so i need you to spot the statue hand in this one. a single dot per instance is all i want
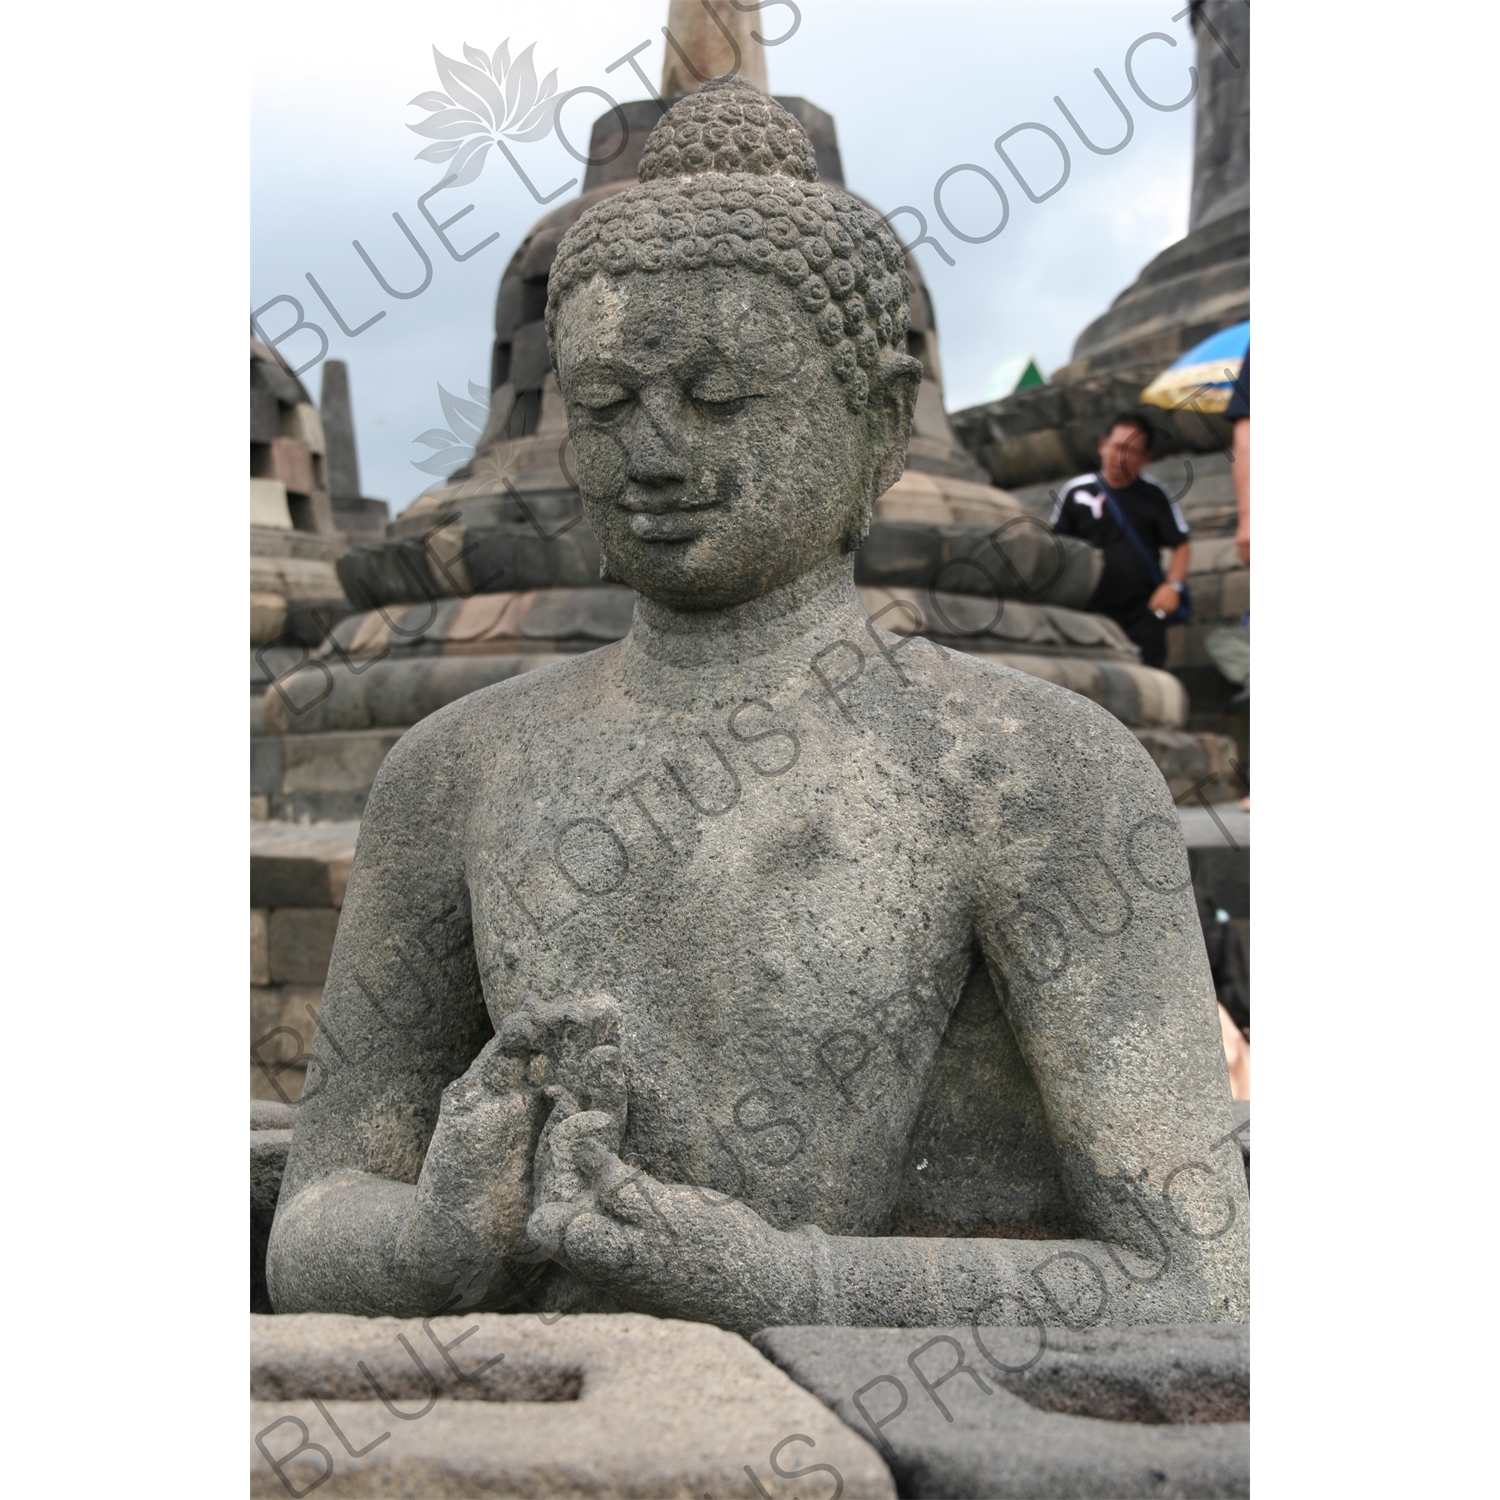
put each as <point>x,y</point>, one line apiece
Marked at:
<point>571,1047</point>
<point>475,1190</point>
<point>675,1251</point>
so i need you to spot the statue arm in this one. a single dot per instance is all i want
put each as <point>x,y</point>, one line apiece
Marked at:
<point>1090,930</point>
<point>1092,939</point>
<point>408,1179</point>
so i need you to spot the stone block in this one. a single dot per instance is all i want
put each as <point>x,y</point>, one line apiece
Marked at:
<point>301,943</point>
<point>265,761</point>
<point>267,614</point>
<point>1196,766</point>
<point>295,577</point>
<point>283,1019</point>
<point>1008,1412</point>
<point>338,431</point>
<point>362,518</point>
<point>303,423</point>
<point>620,1405</point>
<point>385,696</point>
<point>541,249</point>
<point>260,953</point>
<point>314,512</point>
<point>288,460</point>
<point>265,1116</point>
<point>280,1083</point>
<point>264,416</point>
<point>268,1153</point>
<point>335,762</point>
<point>268,373</point>
<point>319,807</point>
<point>517,303</point>
<point>393,572</point>
<point>300,866</point>
<point>598,614</point>
<point>268,505</point>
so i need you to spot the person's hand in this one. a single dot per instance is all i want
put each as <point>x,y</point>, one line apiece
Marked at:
<point>1165,600</point>
<point>677,1252</point>
<point>1242,541</point>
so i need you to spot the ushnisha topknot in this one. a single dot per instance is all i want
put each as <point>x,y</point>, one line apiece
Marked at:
<point>728,126</point>
<point>728,178</point>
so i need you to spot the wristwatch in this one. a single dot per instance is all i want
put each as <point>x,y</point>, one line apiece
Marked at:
<point>1174,583</point>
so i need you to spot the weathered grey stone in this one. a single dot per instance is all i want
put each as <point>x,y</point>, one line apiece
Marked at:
<point>338,432</point>
<point>268,1116</point>
<point>269,1145</point>
<point>487,1405</point>
<point>385,694</point>
<point>392,571</point>
<point>518,303</point>
<point>268,372</point>
<point>528,357</point>
<point>1017,562</point>
<point>265,419</point>
<point>590,615</point>
<point>997,1412</point>
<point>650,958</point>
<point>337,763</point>
<point>301,943</point>
<point>313,513</point>
<point>526,556</point>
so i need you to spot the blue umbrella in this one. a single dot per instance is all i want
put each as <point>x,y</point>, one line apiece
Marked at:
<point>1203,378</point>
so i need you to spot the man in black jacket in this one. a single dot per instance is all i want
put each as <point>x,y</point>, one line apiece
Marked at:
<point>1132,590</point>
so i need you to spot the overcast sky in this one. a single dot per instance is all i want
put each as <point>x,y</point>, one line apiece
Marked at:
<point>915,89</point>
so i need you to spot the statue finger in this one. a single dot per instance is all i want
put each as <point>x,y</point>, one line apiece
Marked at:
<point>548,1224</point>
<point>527,1031</point>
<point>592,1242</point>
<point>603,1080</point>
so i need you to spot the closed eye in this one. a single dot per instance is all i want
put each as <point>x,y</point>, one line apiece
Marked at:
<point>606,405</point>
<point>716,401</point>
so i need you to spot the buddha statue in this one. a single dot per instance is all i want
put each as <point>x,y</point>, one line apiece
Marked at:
<point>765,966</point>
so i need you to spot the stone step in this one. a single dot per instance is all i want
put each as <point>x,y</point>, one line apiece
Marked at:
<point>1174,1404</point>
<point>592,1404</point>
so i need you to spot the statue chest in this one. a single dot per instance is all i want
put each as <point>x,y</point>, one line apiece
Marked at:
<point>785,934</point>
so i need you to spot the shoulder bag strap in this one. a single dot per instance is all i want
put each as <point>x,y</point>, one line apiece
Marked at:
<point>1118,512</point>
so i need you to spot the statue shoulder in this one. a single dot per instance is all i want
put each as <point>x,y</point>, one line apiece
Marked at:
<point>445,758</point>
<point>1072,750</point>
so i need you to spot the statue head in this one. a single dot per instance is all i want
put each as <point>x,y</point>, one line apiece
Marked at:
<point>729,339</point>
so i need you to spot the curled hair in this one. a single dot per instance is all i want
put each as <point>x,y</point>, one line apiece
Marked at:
<point>728,179</point>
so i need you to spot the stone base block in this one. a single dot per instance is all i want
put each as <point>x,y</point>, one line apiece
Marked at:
<point>1005,1412</point>
<point>620,1405</point>
<point>296,866</point>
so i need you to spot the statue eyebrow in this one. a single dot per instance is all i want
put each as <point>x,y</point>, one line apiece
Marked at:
<point>596,367</point>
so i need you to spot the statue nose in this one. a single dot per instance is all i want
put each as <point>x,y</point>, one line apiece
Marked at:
<point>657,452</point>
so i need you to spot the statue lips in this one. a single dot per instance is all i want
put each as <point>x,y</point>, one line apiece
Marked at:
<point>655,519</point>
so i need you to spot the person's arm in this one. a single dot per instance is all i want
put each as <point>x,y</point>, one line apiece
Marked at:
<point>1088,926</point>
<point>1240,470</point>
<point>1166,598</point>
<point>408,1181</point>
